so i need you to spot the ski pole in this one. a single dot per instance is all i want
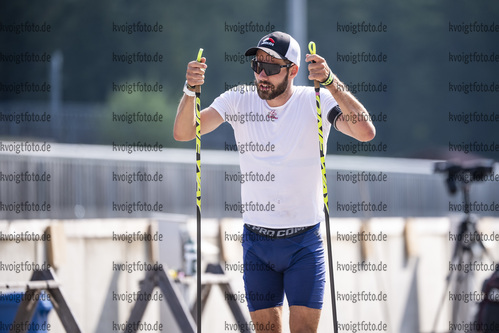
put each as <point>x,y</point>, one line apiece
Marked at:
<point>198,197</point>
<point>312,49</point>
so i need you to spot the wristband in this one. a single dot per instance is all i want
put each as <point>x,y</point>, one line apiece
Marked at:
<point>329,79</point>
<point>187,91</point>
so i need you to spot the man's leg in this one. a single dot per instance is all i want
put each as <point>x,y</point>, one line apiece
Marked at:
<point>268,320</point>
<point>304,283</point>
<point>303,319</point>
<point>263,283</point>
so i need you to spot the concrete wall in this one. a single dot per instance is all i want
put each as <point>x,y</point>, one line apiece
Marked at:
<point>416,252</point>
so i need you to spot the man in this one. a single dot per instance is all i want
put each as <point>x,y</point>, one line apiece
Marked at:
<point>283,250</point>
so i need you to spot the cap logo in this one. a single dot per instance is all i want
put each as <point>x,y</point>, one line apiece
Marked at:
<point>268,41</point>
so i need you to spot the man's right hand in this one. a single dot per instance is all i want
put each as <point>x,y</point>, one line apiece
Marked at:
<point>195,72</point>
<point>184,128</point>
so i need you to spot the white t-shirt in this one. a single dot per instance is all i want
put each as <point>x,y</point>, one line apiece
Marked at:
<point>279,155</point>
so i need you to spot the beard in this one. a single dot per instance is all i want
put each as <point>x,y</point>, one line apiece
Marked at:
<point>272,91</point>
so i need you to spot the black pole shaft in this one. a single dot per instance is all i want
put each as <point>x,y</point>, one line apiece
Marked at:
<point>331,271</point>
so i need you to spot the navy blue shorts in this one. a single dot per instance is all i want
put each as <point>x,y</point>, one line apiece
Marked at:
<point>274,266</point>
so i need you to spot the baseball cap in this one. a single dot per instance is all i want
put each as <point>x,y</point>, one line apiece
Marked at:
<point>279,45</point>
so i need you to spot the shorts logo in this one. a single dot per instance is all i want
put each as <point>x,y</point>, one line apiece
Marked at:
<point>268,41</point>
<point>287,232</point>
<point>277,233</point>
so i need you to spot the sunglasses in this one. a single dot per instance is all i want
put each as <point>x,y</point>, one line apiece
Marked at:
<point>270,69</point>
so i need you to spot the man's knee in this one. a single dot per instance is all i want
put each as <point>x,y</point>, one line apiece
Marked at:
<point>267,320</point>
<point>303,319</point>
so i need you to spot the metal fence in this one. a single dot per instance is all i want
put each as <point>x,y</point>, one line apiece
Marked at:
<point>90,181</point>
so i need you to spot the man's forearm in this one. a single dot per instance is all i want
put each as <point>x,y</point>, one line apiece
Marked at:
<point>362,128</point>
<point>184,128</point>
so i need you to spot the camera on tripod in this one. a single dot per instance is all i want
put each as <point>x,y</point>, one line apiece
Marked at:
<point>464,172</point>
<point>468,247</point>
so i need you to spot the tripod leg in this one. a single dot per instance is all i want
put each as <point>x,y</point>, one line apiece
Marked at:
<point>177,304</point>
<point>58,301</point>
<point>464,284</point>
<point>146,287</point>
<point>27,307</point>
<point>458,253</point>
